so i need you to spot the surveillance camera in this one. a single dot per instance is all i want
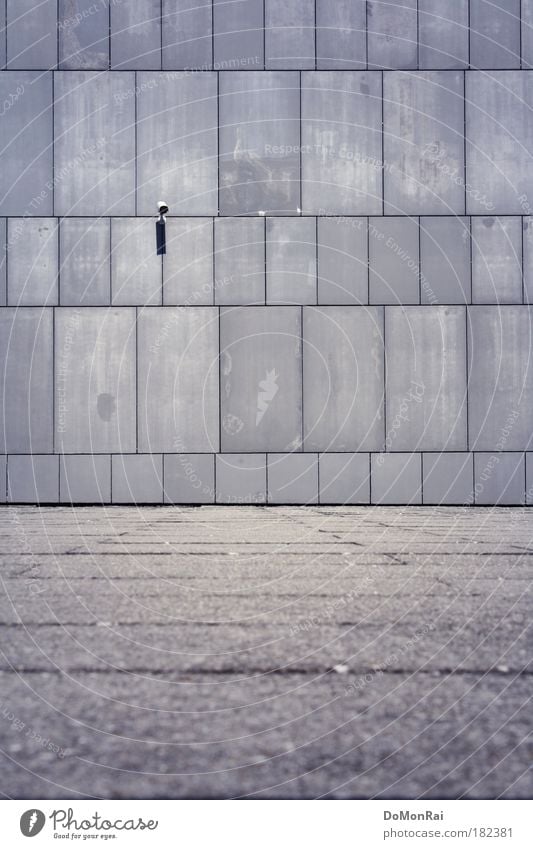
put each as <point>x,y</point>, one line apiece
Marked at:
<point>162,207</point>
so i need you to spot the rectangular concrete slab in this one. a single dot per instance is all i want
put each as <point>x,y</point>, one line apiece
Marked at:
<point>289,34</point>
<point>137,478</point>
<point>291,261</point>
<point>394,266</point>
<point>177,142</point>
<point>341,143</point>
<point>343,372</point>
<point>33,479</point>
<point>178,379</point>
<point>3,478</point>
<point>341,34</point>
<point>445,260</point>
<point>241,478</point>
<point>3,44</point>
<point>83,34</point>
<point>396,479</point>
<point>187,34</point>
<point>392,34</point>
<point>189,478</point>
<point>423,143</point>
<point>498,159</point>
<point>527,251</point>
<point>26,364</point>
<point>292,478</point>
<point>3,261</point>
<point>448,478</point>
<point>426,378</point>
<point>26,159</point>
<point>495,33</point>
<point>136,35</point>
<point>344,478</point>
<point>136,270</point>
<point>85,274</point>
<point>496,260</point>
<point>31,34</point>
<point>238,34</point>
<point>529,479</point>
<point>443,34</point>
<point>499,478</point>
<point>342,254</point>
<point>527,34</point>
<point>95,143</point>
<point>259,142</point>
<point>188,263</point>
<point>95,380</point>
<point>33,258</point>
<point>260,378</point>
<point>85,478</point>
<point>240,261</point>
<point>500,394</point>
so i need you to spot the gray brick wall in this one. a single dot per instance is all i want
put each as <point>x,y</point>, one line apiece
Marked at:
<point>343,312</point>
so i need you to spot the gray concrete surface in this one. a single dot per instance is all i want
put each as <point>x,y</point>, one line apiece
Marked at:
<point>252,652</point>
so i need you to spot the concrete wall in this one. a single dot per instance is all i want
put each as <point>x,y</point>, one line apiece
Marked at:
<point>343,312</point>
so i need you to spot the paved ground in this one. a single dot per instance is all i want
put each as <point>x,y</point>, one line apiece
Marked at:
<point>281,652</point>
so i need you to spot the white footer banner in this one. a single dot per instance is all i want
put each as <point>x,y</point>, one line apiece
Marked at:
<point>265,824</point>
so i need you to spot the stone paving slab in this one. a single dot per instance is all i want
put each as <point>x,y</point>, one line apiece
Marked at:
<point>250,652</point>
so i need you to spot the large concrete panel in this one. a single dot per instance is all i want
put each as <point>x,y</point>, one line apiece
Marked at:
<point>26,169</point>
<point>448,478</point>
<point>498,134</point>
<point>26,370</point>
<point>95,380</point>
<point>137,478</point>
<point>289,34</point>
<point>177,142</point>
<point>178,379</point>
<point>495,33</point>
<point>394,260</point>
<point>344,478</point>
<point>500,394</point>
<point>342,253</point>
<point>3,44</point>
<point>445,260</point>
<point>443,34</point>
<point>291,261</point>
<point>241,478</point>
<point>426,378</point>
<point>187,34</point>
<point>31,34</point>
<point>260,378</point>
<point>499,478</point>
<point>3,479</point>
<point>33,479</point>
<point>240,261</point>
<point>3,261</point>
<point>32,258</point>
<point>259,141</point>
<point>527,244</point>
<point>188,263</point>
<point>238,34</point>
<point>95,143</point>
<point>136,270</point>
<point>424,143</point>
<point>343,378</point>
<point>83,34</point>
<point>341,34</point>
<point>341,143</point>
<point>396,479</point>
<point>392,34</point>
<point>136,35</point>
<point>85,249</point>
<point>189,478</point>
<point>292,478</point>
<point>527,34</point>
<point>496,260</point>
<point>85,479</point>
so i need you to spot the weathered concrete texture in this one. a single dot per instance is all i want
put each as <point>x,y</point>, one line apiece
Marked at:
<point>341,34</point>
<point>445,260</point>
<point>498,129</point>
<point>3,263</point>
<point>392,34</point>
<point>259,139</point>
<point>423,141</point>
<point>26,151</point>
<point>495,33</point>
<point>260,379</point>
<point>187,34</point>
<point>341,143</point>
<point>33,252</point>
<point>178,379</point>
<point>176,142</point>
<point>136,35</point>
<point>136,270</point>
<point>443,34</point>
<point>342,256</point>
<point>394,268</point>
<point>95,392</point>
<point>188,263</point>
<point>94,143</point>
<point>291,261</point>
<point>497,260</point>
<point>31,34</point>
<point>238,33</point>
<point>240,259</point>
<point>266,653</point>
<point>83,34</point>
<point>85,247</point>
<point>289,34</point>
